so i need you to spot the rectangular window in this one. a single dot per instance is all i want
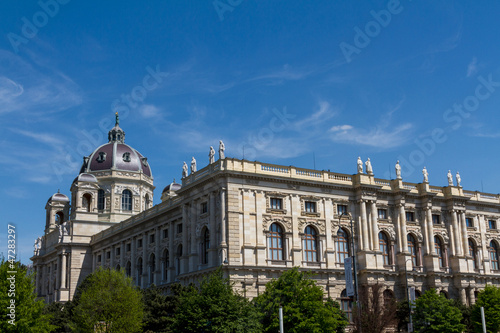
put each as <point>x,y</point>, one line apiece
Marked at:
<point>165,233</point>
<point>108,255</point>
<point>99,258</point>
<point>382,214</point>
<point>492,224</point>
<point>179,228</point>
<point>151,238</point>
<point>117,251</point>
<point>469,222</point>
<point>276,203</point>
<point>128,246</point>
<point>139,243</point>
<point>436,219</point>
<point>204,207</point>
<point>341,209</point>
<point>310,206</point>
<point>410,216</point>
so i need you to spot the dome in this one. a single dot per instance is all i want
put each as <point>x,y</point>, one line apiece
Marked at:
<point>85,177</point>
<point>172,187</point>
<point>58,197</point>
<point>116,155</point>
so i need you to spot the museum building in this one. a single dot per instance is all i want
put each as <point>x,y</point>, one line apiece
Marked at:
<point>256,220</point>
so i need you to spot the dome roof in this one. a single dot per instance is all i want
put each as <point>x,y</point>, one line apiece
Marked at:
<point>116,155</point>
<point>85,177</point>
<point>58,197</point>
<point>172,187</point>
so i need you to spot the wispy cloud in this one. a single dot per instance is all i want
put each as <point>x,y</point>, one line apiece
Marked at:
<point>472,67</point>
<point>379,137</point>
<point>40,137</point>
<point>324,112</point>
<point>25,87</point>
<point>149,111</point>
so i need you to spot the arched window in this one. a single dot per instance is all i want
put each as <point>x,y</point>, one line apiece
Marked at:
<point>118,267</point>
<point>86,201</point>
<point>310,244</point>
<point>146,201</point>
<point>438,245</point>
<point>165,264</point>
<point>388,297</point>
<point>412,248</point>
<point>342,245</point>
<point>346,305</point>
<point>178,259</point>
<point>472,253</point>
<point>205,245</point>
<point>139,272</point>
<point>126,200</point>
<point>152,268</point>
<point>100,200</point>
<point>383,242</point>
<point>59,218</point>
<point>275,242</point>
<point>128,268</point>
<point>494,255</point>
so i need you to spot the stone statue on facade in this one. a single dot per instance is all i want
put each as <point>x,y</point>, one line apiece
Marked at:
<point>37,246</point>
<point>450,178</point>
<point>211,155</point>
<point>222,148</point>
<point>193,165</point>
<point>369,169</point>
<point>63,230</point>
<point>459,179</point>
<point>398,171</point>
<point>184,170</point>
<point>426,175</point>
<point>360,165</point>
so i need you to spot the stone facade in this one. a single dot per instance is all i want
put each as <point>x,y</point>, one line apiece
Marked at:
<point>257,220</point>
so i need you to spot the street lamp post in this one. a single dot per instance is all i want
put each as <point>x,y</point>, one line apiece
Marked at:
<point>408,296</point>
<point>353,259</point>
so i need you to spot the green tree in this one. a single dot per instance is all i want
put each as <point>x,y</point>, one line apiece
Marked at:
<point>20,310</point>
<point>303,306</point>
<point>435,313</point>
<point>107,300</point>
<point>160,308</point>
<point>215,307</point>
<point>60,316</point>
<point>489,298</point>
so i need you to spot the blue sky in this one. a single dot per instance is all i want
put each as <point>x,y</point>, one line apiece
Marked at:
<point>314,83</point>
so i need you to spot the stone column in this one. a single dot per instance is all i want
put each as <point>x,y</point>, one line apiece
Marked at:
<point>212,259</point>
<point>223,217</point>
<point>456,233</point>
<point>122,255</point>
<point>465,239</point>
<point>472,298</point>
<point>399,234</point>
<point>185,248</point>
<point>430,230</point>
<point>425,239</point>
<point>63,270</point>
<point>133,259</point>
<point>112,257</point>
<point>193,251</point>
<point>375,229</point>
<point>157,277</point>
<point>58,272</point>
<point>364,226</point>
<point>402,221</point>
<point>145,259</point>
<point>171,252</point>
<point>463,296</point>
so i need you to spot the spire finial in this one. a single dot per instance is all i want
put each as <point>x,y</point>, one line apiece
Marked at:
<point>117,122</point>
<point>58,190</point>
